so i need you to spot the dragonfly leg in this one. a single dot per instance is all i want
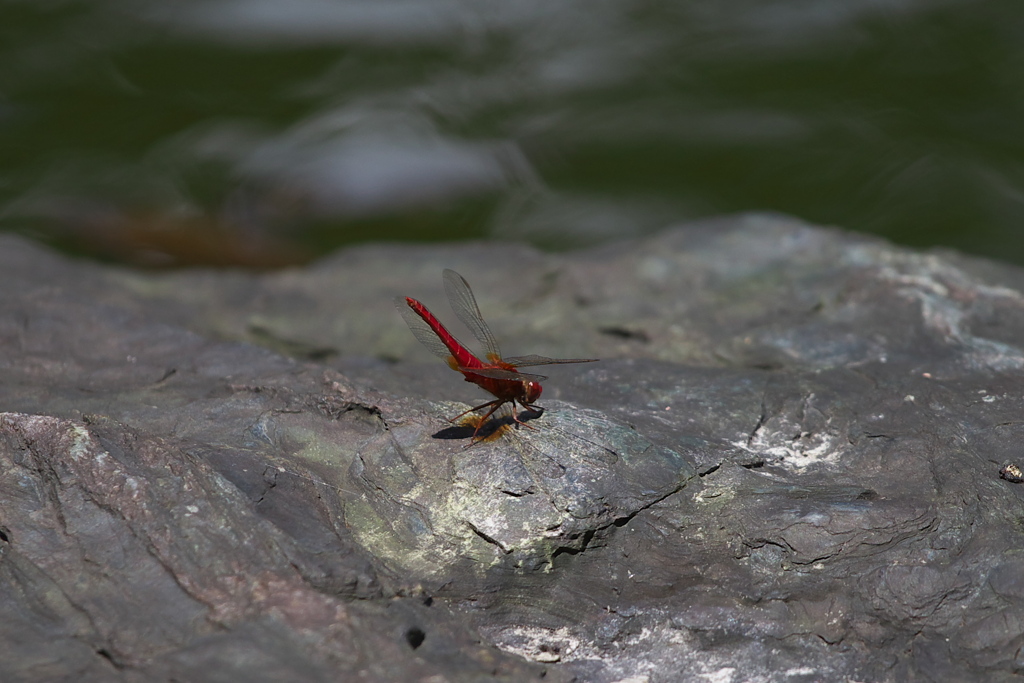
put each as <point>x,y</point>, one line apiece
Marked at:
<point>493,405</point>
<point>499,403</point>
<point>532,409</point>
<point>482,405</point>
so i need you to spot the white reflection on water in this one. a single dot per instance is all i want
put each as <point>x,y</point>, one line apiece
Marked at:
<point>367,172</point>
<point>308,22</point>
<point>383,162</point>
<point>780,23</point>
<point>582,120</point>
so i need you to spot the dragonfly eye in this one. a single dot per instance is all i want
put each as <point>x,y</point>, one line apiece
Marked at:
<point>533,390</point>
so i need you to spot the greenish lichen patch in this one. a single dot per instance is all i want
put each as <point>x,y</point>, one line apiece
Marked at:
<point>430,503</point>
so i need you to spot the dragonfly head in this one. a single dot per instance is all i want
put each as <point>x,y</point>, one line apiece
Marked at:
<point>533,390</point>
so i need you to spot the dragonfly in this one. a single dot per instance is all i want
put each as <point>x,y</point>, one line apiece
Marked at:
<point>497,375</point>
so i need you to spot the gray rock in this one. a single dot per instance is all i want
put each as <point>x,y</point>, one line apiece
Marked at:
<point>786,467</point>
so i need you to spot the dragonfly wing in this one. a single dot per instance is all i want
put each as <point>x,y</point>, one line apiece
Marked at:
<point>498,373</point>
<point>421,330</point>
<point>461,298</point>
<point>522,361</point>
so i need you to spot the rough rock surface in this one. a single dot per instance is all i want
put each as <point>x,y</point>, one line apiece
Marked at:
<point>785,468</point>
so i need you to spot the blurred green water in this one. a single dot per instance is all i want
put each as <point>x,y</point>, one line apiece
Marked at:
<point>255,132</point>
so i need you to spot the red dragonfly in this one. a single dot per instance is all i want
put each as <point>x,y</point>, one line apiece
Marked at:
<point>498,375</point>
